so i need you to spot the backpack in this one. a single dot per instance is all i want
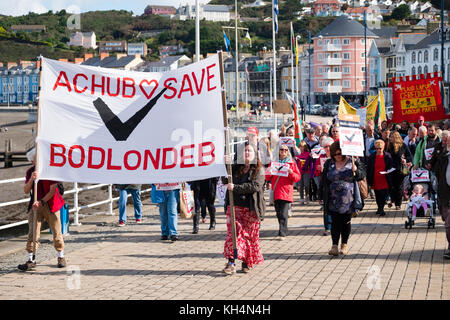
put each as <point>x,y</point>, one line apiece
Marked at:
<point>60,188</point>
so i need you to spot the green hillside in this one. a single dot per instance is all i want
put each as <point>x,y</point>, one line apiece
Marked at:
<point>122,25</point>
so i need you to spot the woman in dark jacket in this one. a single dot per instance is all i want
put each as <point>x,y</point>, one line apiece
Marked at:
<point>400,156</point>
<point>337,188</point>
<point>377,165</point>
<point>249,206</point>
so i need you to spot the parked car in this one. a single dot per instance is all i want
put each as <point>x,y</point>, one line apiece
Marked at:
<point>316,109</point>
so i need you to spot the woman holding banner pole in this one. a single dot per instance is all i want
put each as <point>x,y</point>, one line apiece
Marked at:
<point>249,205</point>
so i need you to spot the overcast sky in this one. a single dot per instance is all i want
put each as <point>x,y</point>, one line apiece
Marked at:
<point>21,7</point>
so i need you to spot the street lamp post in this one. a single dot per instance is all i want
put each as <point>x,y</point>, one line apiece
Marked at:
<point>365,56</point>
<point>443,36</point>
<point>309,68</point>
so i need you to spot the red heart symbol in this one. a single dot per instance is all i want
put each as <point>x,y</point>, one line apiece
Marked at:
<point>148,85</point>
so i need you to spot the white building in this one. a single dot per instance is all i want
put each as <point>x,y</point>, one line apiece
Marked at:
<point>208,12</point>
<point>164,65</point>
<point>137,48</point>
<point>83,39</point>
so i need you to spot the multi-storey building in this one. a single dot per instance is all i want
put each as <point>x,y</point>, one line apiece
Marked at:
<point>322,8</point>
<point>137,48</point>
<point>340,61</point>
<point>112,46</point>
<point>83,39</point>
<point>207,11</point>
<point>19,84</point>
<point>160,10</point>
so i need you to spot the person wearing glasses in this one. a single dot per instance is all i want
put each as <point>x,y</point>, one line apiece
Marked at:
<point>378,179</point>
<point>337,188</point>
<point>283,189</point>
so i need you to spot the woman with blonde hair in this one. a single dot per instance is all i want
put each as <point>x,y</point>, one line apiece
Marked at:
<point>401,161</point>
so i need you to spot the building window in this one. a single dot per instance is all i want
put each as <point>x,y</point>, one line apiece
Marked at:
<point>413,71</point>
<point>346,83</point>
<point>425,69</point>
<point>436,54</point>
<point>435,68</point>
<point>346,41</point>
<point>362,40</point>
<point>346,56</point>
<point>346,70</point>
<point>363,83</point>
<point>413,56</point>
<point>320,84</point>
<point>425,56</point>
<point>336,41</point>
<point>320,56</point>
<point>419,70</point>
<point>419,57</point>
<point>363,69</point>
<point>320,42</point>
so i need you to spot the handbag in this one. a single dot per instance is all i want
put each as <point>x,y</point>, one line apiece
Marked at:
<point>363,188</point>
<point>187,202</point>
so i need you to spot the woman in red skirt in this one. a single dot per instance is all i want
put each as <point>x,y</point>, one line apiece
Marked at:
<point>249,206</point>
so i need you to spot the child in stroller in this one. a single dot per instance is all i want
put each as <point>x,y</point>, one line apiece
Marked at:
<point>421,187</point>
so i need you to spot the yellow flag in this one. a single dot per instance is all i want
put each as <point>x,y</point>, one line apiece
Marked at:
<point>345,108</point>
<point>373,106</point>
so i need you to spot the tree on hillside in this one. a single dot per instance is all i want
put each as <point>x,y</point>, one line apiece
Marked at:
<point>401,12</point>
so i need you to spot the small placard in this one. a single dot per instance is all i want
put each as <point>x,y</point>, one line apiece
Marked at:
<point>420,175</point>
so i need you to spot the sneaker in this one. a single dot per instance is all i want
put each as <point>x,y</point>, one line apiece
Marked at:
<point>334,251</point>
<point>138,221</point>
<point>245,268</point>
<point>174,238</point>
<point>62,262</point>
<point>203,220</point>
<point>27,266</point>
<point>389,205</point>
<point>230,268</point>
<point>447,254</point>
<point>326,232</point>
<point>163,238</point>
<point>121,223</point>
<point>344,249</point>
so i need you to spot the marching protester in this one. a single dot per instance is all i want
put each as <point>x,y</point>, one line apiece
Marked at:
<point>443,176</point>
<point>206,195</point>
<point>411,140</point>
<point>295,151</point>
<point>425,148</point>
<point>283,189</point>
<point>404,129</point>
<point>378,179</point>
<point>401,162</point>
<point>311,139</point>
<point>305,171</point>
<point>318,131</point>
<point>46,207</point>
<point>249,206</point>
<point>326,143</point>
<point>369,136</point>
<point>135,191</point>
<point>337,188</point>
<point>385,133</point>
<point>335,132</point>
<point>167,201</point>
<point>422,133</point>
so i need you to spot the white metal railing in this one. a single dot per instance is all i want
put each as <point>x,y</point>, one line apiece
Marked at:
<point>76,209</point>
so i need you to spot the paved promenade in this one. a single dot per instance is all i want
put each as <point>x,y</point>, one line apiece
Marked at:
<point>385,261</point>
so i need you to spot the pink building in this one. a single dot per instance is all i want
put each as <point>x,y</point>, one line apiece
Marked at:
<point>326,7</point>
<point>339,61</point>
<point>160,10</point>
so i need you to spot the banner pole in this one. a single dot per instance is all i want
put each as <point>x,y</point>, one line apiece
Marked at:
<point>227,151</point>
<point>36,163</point>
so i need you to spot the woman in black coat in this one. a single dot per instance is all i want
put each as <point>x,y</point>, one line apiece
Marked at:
<point>205,195</point>
<point>400,156</point>
<point>377,165</point>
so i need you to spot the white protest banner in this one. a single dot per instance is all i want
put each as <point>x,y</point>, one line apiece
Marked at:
<point>420,175</point>
<point>279,169</point>
<point>221,191</point>
<point>429,153</point>
<point>99,125</point>
<point>351,141</point>
<point>287,141</point>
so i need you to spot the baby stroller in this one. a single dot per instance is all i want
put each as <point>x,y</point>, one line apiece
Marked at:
<point>429,182</point>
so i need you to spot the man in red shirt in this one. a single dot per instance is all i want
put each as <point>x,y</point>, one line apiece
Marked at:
<point>47,207</point>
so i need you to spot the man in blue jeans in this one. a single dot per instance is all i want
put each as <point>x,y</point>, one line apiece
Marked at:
<point>135,190</point>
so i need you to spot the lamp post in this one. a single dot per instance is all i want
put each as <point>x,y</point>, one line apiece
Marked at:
<point>298,37</point>
<point>309,68</point>
<point>365,56</point>
<point>443,36</point>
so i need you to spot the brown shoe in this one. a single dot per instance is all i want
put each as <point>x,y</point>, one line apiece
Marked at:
<point>344,249</point>
<point>62,263</point>
<point>27,266</point>
<point>334,251</point>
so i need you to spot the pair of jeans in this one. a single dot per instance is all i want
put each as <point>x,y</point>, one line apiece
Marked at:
<point>282,210</point>
<point>341,227</point>
<point>136,195</point>
<point>327,221</point>
<point>380,197</point>
<point>168,213</point>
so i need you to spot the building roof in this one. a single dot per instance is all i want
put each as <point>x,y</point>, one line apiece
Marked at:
<point>343,26</point>
<point>357,10</point>
<point>410,40</point>
<point>385,32</point>
<point>327,2</point>
<point>215,8</point>
<point>427,41</point>
<point>119,63</point>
